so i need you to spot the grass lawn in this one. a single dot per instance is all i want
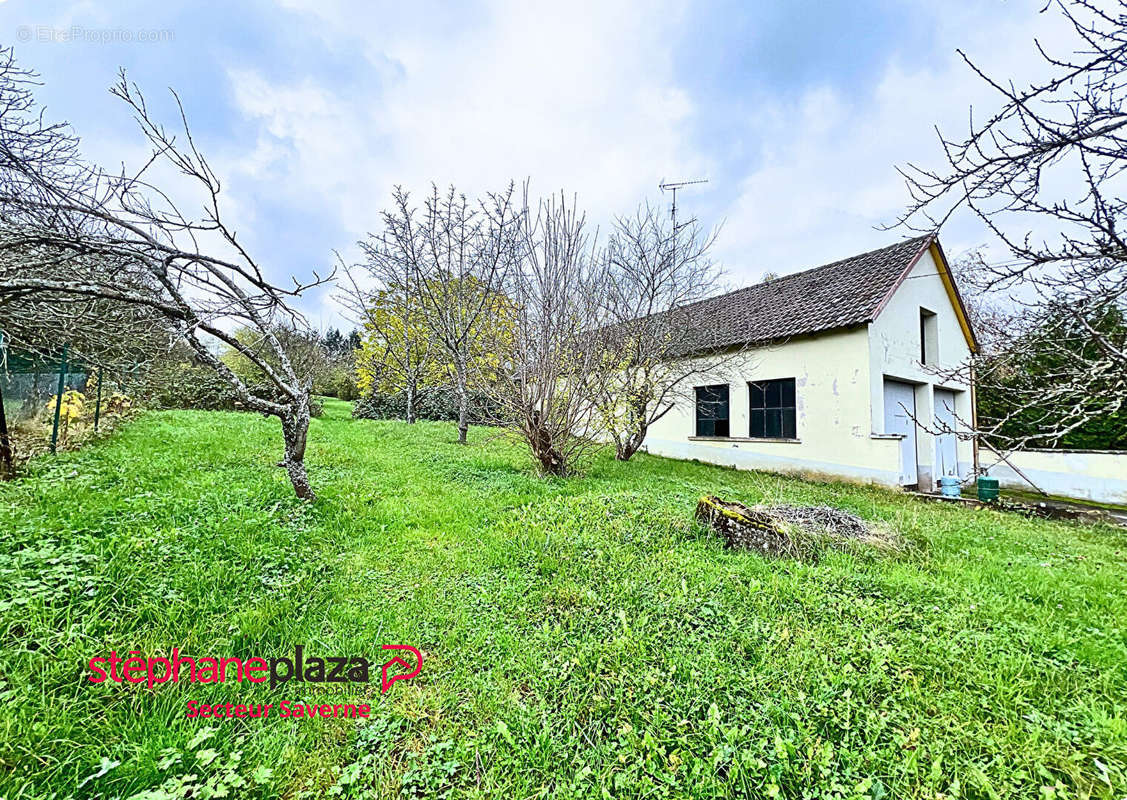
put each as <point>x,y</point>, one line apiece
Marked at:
<point>583,638</point>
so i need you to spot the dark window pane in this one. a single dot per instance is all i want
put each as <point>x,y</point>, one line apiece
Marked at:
<point>773,405</point>
<point>789,429</point>
<point>712,410</point>
<point>774,424</point>
<point>788,392</point>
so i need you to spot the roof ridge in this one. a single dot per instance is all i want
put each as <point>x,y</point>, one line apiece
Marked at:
<point>809,270</point>
<point>840,294</point>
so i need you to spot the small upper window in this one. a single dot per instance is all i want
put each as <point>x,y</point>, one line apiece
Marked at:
<point>773,409</point>
<point>929,337</point>
<point>712,410</point>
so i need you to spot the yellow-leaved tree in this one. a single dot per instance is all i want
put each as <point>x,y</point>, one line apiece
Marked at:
<point>439,309</point>
<point>400,353</point>
<point>396,346</point>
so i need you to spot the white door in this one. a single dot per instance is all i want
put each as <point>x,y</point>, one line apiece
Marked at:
<point>899,417</point>
<point>946,452</point>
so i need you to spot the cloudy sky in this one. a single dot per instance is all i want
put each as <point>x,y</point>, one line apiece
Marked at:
<point>311,110</point>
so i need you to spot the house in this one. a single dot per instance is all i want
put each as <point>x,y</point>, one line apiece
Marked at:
<point>842,370</point>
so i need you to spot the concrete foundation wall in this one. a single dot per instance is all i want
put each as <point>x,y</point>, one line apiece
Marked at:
<point>1096,475</point>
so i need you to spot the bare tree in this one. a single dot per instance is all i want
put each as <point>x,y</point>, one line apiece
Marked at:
<point>1044,174</point>
<point>469,248</point>
<point>57,212</point>
<point>1027,391</point>
<point>552,366</point>
<point>390,303</point>
<point>655,276</point>
<point>117,337</point>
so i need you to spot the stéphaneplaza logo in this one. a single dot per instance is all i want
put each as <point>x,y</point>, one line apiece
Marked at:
<point>302,668</point>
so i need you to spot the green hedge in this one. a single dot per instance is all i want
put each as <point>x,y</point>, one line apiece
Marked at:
<point>436,403</point>
<point>195,386</point>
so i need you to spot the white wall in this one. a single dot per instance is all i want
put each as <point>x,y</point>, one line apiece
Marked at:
<point>832,382</point>
<point>839,381</point>
<point>894,352</point>
<point>1097,475</point>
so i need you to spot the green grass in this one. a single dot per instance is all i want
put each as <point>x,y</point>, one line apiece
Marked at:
<point>583,638</point>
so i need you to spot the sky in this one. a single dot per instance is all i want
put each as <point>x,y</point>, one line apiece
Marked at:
<point>311,111</point>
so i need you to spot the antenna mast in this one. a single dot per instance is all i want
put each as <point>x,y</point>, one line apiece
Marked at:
<point>673,186</point>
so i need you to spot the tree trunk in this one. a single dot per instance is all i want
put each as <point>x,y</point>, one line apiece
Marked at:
<point>463,401</point>
<point>747,528</point>
<point>295,427</point>
<point>624,449</point>
<point>411,401</point>
<point>463,418</point>
<point>551,462</point>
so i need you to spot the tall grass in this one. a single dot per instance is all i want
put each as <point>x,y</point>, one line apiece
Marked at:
<point>582,638</point>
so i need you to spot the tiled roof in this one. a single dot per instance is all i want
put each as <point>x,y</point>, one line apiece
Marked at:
<point>843,294</point>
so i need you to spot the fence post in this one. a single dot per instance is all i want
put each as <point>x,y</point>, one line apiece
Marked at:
<point>98,405</point>
<point>59,399</point>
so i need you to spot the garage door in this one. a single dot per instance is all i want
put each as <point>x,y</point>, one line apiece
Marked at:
<point>946,451</point>
<point>899,417</point>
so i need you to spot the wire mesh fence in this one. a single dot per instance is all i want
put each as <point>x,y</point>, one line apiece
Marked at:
<point>51,399</point>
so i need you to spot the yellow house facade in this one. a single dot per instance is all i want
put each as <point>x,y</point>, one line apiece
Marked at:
<point>856,369</point>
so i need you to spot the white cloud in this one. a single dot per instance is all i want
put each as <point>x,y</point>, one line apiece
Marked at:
<point>578,96</point>
<point>585,97</point>
<point>826,173</point>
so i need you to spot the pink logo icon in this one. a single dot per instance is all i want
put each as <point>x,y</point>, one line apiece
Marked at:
<point>397,661</point>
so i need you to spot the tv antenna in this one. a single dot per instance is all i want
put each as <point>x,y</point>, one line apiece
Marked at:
<point>673,186</point>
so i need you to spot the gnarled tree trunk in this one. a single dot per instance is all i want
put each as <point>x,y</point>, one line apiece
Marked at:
<point>295,428</point>
<point>540,439</point>
<point>627,447</point>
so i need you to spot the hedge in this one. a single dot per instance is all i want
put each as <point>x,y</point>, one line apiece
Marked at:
<point>435,403</point>
<point>195,386</point>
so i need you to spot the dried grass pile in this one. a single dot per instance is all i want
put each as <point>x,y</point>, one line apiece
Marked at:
<point>792,531</point>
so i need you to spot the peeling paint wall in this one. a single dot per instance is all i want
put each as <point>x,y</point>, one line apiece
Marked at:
<point>832,382</point>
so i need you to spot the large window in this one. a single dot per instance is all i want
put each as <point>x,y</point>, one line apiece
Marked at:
<point>773,409</point>
<point>712,410</point>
